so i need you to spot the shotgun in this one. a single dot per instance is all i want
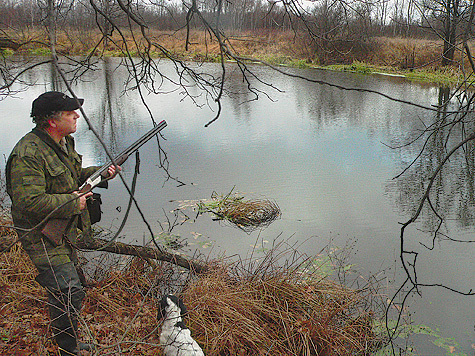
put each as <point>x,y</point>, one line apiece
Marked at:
<point>55,228</point>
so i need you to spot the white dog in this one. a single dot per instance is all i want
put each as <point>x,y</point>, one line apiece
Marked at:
<point>175,336</point>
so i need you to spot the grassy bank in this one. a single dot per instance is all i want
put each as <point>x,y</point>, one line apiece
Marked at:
<point>239,308</point>
<point>416,59</point>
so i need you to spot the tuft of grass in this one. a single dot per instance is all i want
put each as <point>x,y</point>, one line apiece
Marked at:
<point>300,63</point>
<point>268,310</point>
<point>356,67</point>
<point>6,52</point>
<point>278,59</point>
<point>360,67</point>
<point>248,214</point>
<point>444,77</point>
<point>41,51</point>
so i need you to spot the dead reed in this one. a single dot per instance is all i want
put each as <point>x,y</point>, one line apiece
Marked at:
<point>118,314</point>
<point>278,311</point>
<point>237,308</point>
<point>23,318</point>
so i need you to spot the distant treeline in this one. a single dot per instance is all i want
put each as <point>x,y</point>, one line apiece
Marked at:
<point>324,32</point>
<point>321,19</point>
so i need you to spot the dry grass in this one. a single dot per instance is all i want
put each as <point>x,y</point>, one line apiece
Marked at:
<point>254,308</point>
<point>278,312</point>
<point>24,321</point>
<point>117,313</point>
<point>277,47</point>
<point>201,45</point>
<point>406,53</point>
<point>410,53</point>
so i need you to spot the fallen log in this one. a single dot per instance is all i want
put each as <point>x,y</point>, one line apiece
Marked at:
<point>121,248</point>
<point>8,239</point>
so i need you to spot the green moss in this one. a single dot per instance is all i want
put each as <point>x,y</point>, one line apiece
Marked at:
<point>41,51</point>
<point>445,76</point>
<point>5,52</point>
<point>355,67</point>
<point>360,67</point>
<point>279,59</point>
<point>441,77</point>
<point>300,63</point>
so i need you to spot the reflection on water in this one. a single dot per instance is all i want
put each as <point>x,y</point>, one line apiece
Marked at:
<point>321,153</point>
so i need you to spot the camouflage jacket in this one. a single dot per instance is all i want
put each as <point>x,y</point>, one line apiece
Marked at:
<point>38,182</point>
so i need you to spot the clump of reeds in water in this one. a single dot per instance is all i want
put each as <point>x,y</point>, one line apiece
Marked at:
<point>246,214</point>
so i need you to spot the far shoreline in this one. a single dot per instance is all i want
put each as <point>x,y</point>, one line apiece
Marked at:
<point>383,56</point>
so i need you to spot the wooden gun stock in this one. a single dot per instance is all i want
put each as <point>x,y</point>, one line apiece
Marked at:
<point>55,229</point>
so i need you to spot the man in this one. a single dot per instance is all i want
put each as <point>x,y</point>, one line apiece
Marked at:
<point>43,175</point>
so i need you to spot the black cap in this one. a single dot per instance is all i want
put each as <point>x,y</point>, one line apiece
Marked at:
<point>52,101</point>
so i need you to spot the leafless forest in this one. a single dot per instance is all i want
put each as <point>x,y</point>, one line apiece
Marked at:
<point>326,31</point>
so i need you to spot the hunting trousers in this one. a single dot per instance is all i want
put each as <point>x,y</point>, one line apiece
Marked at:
<point>65,296</point>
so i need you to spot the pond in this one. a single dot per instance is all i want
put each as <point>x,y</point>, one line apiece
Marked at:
<point>324,155</point>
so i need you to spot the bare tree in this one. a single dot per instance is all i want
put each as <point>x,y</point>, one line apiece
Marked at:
<point>447,139</point>
<point>447,20</point>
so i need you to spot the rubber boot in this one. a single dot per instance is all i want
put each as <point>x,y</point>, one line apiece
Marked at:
<point>63,352</point>
<point>65,295</point>
<point>86,346</point>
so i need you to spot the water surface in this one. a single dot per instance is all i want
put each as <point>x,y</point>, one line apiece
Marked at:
<point>319,152</point>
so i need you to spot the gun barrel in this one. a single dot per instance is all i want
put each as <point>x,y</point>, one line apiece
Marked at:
<point>121,157</point>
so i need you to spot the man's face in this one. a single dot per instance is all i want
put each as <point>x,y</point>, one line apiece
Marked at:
<point>66,124</point>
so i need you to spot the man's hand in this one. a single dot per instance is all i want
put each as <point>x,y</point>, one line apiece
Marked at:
<point>112,171</point>
<point>82,199</point>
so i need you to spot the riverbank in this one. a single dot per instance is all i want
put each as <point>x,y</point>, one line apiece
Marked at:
<point>415,59</point>
<point>231,310</point>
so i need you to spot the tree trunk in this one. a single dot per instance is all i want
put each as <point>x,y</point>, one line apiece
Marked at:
<point>51,25</point>
<point>450,32</point>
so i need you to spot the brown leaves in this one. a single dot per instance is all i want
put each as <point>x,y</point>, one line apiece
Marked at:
<point>114,315</point>
<point>232,311</point>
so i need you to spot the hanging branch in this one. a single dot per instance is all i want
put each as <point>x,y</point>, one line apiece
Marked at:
<point>403,251</point>
<point>111,246</point>
<point>459,119</point>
